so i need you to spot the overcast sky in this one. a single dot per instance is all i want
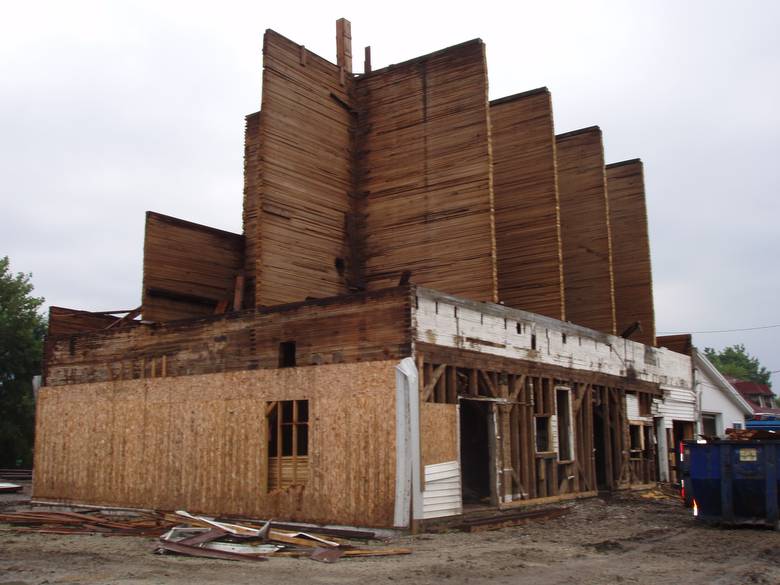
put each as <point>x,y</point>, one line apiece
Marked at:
<point>109,109</point>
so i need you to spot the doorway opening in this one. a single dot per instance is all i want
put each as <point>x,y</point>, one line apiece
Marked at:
<point>475,434</point>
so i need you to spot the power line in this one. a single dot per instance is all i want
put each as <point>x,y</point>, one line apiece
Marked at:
<point>718,330</point>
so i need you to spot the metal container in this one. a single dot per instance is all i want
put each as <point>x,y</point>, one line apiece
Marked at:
<point>733,482</point>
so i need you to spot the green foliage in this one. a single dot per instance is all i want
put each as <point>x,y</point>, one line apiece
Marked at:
<point>736,362</point>
<point>21,342</point>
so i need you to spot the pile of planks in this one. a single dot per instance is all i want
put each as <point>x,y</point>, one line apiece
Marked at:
<point>147,524</point>
<point>200,536</point>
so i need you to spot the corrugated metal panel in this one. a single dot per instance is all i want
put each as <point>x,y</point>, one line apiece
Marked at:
<point>442,495</point>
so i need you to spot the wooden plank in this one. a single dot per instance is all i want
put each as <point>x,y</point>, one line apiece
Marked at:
<point>585,230</point>
<point>631,249</point>
<point>528,234</point>
<point>438,433</point>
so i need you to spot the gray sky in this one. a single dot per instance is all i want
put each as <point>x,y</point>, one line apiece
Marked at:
<point>111,109</point>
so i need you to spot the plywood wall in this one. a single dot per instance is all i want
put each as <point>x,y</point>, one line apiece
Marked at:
<point>425,173</point>
<point>631,249</point>
<point>188,268</point>
<point>528,230</point>
<point>438,433</point>
<point>363,327</point>
<point>306,175</point>
<point>585,230</point>
<point>199,444</point>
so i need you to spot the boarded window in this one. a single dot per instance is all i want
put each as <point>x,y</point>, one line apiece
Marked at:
<point>563,406</point>
<point>288,443</point>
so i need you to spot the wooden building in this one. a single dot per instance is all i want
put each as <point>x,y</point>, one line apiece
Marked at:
<point>385,343</point>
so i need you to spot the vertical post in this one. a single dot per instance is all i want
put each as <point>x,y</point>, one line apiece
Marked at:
<point>367,60</point>
<point>344,44</point>
<point>238,293</point>
<point>726,483</point>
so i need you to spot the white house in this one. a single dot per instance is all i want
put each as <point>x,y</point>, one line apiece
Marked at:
<point>719,405</point>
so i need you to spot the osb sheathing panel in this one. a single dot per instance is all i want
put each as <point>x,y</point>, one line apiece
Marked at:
<point>306,179</point>
<point>424,172</point>
<point>585,230</point>
<point>187,259</point>
<point>528,234</point>
<point>631,249</point>
<point>200,443</point>
<point>438,433</point>
<point>365,327</point>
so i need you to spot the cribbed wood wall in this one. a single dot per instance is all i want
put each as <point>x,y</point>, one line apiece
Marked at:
<point>188,268</point>
<point>631,249</point>
<point>252,181</point>
<point>585,233</point>
<point>528,230</point>
<point>305,168</point>
<point>199,443</point>
<point>363,327</point>
<point>424,158</point>
<point>64,321</point>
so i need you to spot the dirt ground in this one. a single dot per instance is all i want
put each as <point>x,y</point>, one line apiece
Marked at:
<point>626,539</point>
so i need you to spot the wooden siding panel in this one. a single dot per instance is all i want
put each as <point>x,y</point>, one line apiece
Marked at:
<point>370,326</point>
<point>200,443</point>
<point>631,249</point>
<point>425,173</point>
<point>528,229</point>
<point>585,231</point>
<point>186,259</point>
<point>306,175</point>
<point>64,321</point>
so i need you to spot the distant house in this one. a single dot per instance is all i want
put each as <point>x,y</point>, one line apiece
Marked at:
<point>720,405</point>
<point>759,396</point>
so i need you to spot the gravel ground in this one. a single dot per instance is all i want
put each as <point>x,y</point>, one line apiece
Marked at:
<point>626,539</point>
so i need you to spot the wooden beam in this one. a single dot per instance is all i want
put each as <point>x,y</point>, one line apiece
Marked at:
<point>238,293</point>
<point>428,390</point>
<point>124,320</point>
<point>367,60</point>
<point>489,384</point>
<point>344,44</point>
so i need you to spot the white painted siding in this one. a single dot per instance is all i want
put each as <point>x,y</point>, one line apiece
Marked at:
<point>714,400</point>
<point>442,495</point>
<point>489,328</point>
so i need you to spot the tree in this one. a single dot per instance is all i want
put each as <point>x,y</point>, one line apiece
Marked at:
<point>736,362</point>
<point>21,342</point>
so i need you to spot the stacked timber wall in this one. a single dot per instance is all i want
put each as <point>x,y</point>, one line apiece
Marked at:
<point>188,268</point>
<point>528,230</point>
<point>305,166</point>
<point>631,249</point>
<point>585,231</point>
<point>365,327</point>
<point>201,444</point>
<point>425,173</point>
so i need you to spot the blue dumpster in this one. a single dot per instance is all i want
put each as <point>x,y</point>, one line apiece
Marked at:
<point>734,482</point>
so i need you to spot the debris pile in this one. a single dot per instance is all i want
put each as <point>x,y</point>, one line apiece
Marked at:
<point>751,434</point>
<point>200,536</point>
